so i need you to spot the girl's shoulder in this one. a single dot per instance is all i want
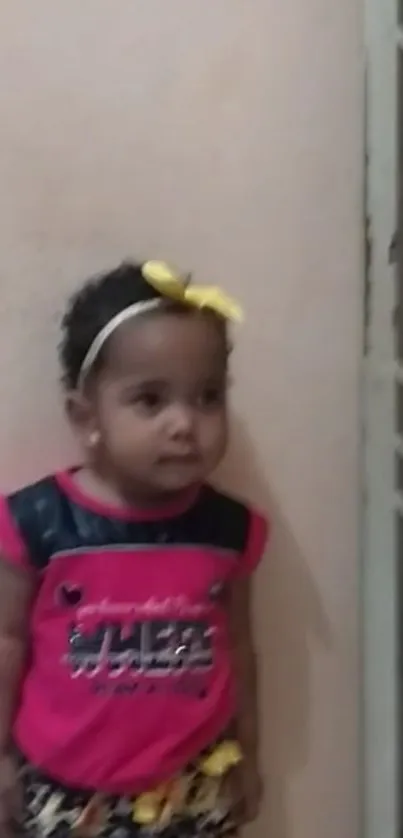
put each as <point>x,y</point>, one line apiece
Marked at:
<point>27,517</point>
<point>240,526</point>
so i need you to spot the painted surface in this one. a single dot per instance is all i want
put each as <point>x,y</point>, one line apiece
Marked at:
<point>227,137</point>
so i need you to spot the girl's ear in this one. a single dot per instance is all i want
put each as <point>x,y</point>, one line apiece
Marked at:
<point>80,414</point>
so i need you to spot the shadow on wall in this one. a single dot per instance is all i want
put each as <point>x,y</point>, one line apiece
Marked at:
<point>290,619</point>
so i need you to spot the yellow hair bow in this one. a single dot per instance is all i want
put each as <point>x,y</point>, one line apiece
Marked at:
<point>172,284</point>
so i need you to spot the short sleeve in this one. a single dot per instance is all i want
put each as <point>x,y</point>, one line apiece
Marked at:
<point>12,546</point>
<point>258,536</point>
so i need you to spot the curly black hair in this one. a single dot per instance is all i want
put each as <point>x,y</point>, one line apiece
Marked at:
<point>94,305</point>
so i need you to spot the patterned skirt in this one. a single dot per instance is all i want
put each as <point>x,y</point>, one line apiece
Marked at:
<point>193,805</point>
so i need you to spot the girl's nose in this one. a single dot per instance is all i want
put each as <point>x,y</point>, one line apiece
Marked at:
<point>182,421</point>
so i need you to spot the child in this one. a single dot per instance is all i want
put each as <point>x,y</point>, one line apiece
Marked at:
<point>127,671</point>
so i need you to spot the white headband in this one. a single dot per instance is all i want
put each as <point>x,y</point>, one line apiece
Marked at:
<point>105,333</point>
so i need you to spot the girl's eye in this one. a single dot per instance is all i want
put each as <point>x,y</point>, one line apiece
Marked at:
<point>150,402</point>
<point>212,396</point>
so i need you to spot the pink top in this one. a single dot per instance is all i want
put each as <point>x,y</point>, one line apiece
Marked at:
<point>130,674</point>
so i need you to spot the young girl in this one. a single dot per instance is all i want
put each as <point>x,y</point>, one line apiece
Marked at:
<point>127,670</point>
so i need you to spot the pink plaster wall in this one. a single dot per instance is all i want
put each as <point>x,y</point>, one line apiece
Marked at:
<point>226,136</point>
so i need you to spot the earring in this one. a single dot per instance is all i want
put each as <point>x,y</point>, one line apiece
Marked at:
<point>94,439</point>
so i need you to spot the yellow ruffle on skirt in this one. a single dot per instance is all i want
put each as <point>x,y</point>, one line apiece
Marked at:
<point>192,793</point>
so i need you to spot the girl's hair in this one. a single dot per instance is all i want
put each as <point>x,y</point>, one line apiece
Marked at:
<point>95,304</point>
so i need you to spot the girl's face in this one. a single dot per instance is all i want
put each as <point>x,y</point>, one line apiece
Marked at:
<point>159,402</point>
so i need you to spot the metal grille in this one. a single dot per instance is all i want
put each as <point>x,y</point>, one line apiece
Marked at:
<point>383,425</point>
<point>397,262</point>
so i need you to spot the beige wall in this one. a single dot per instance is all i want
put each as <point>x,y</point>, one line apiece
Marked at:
<point>225,135</point>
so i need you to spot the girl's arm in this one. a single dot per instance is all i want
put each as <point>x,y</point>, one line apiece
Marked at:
<point>16,590</point>
<point>244,656</point>
<point>247,722</point>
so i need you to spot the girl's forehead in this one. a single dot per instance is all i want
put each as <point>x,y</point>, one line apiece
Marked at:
<point>159,343</point>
